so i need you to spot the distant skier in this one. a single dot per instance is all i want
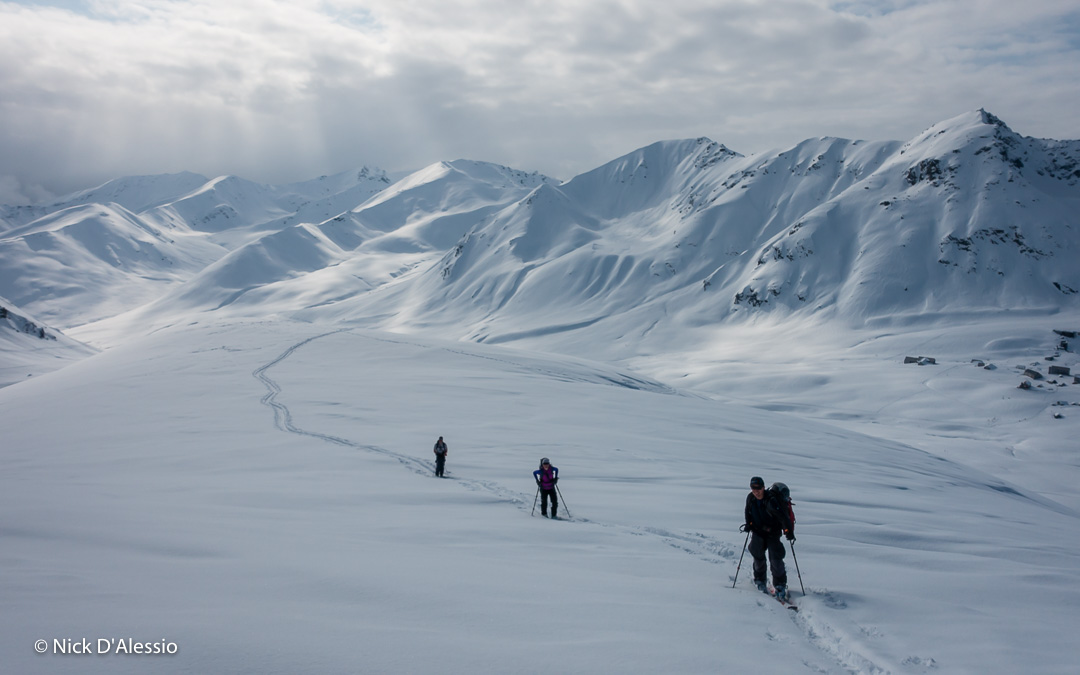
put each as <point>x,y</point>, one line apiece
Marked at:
<point>768,516</point>
<point>547,477</point>
<point>441,451</point>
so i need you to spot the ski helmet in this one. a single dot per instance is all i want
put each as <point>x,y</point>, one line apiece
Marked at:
<point>781,491</point>
<point>757,482</point>
<point>544,461</point>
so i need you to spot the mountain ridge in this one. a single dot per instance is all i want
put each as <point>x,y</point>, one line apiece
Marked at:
<point>966,216</point>
<point>863,230</point>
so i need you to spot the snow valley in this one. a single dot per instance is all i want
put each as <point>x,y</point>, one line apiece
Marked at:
<point>222,398</point>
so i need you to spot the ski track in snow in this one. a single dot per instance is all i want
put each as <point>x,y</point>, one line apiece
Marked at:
<point>844,650</point>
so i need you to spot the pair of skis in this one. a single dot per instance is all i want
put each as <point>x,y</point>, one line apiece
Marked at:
<point>769,590</point>
<point>785,601</point>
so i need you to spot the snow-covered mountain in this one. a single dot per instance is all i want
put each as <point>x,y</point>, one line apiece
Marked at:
<point>100,252</point>
<point>890,328</point>
<point>316,264</point>
<point>95,260</point>
<point>683,260</point>
<point>134,193</point>
<point>967,217</point>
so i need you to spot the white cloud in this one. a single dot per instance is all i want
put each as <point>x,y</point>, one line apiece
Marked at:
<point>277,90</point>
<point>14,193</point>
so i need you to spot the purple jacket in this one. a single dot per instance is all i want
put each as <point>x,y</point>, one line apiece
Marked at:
<point>547,477</point>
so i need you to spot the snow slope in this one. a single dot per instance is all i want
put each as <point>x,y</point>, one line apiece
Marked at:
<point>243,471</point>
<point>260,495</point>
<point>104,251</point>
<point>967,217</point>
<point>407,226</point>
<point>87,262</point>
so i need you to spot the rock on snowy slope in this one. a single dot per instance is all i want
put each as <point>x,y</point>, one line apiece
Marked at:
<point>29,347</point>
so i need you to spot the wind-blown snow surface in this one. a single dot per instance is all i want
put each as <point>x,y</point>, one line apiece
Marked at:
<point>260,494</point>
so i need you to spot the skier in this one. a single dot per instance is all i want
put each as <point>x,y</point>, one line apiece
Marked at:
<point>441,452</point>
<point>547,477</point>
<point>768,516</point>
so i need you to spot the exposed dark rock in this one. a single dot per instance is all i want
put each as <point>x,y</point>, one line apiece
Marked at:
<point>927,170</point>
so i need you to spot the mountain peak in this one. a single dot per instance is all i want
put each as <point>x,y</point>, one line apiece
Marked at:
<point>961,130</point>
<point>136,193</point>
<point>702,152</point>
<point>990,118</point>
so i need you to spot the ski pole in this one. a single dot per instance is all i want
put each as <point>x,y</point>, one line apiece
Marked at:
<point>563,500</point>
<point>796,559</point>
<point>534,499</point>
<point>741,557</point>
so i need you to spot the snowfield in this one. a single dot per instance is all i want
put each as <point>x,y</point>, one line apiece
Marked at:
<point>218,401</point>
<point>261,495</point>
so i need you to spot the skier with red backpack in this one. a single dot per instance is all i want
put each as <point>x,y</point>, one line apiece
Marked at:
<point>768,516</point>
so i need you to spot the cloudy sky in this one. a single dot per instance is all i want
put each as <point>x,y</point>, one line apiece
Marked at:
<point>284,90</point>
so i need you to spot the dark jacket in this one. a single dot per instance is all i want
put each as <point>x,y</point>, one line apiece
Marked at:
<point>767,516</point>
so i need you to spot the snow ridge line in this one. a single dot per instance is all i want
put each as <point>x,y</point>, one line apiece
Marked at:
<point>818,633</point>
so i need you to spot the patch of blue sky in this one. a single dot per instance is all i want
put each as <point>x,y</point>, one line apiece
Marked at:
<point>78,6</point>
<point>871,8</point>
<point>358,18</point>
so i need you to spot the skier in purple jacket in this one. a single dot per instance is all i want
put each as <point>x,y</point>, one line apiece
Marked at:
<point>547,477</point>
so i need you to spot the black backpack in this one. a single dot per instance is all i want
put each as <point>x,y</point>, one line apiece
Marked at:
<point>782,495</point>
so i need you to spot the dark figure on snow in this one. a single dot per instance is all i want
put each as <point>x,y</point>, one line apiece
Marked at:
<point>441,452</point>
<point>547,477</point>
<point>768,516</point>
